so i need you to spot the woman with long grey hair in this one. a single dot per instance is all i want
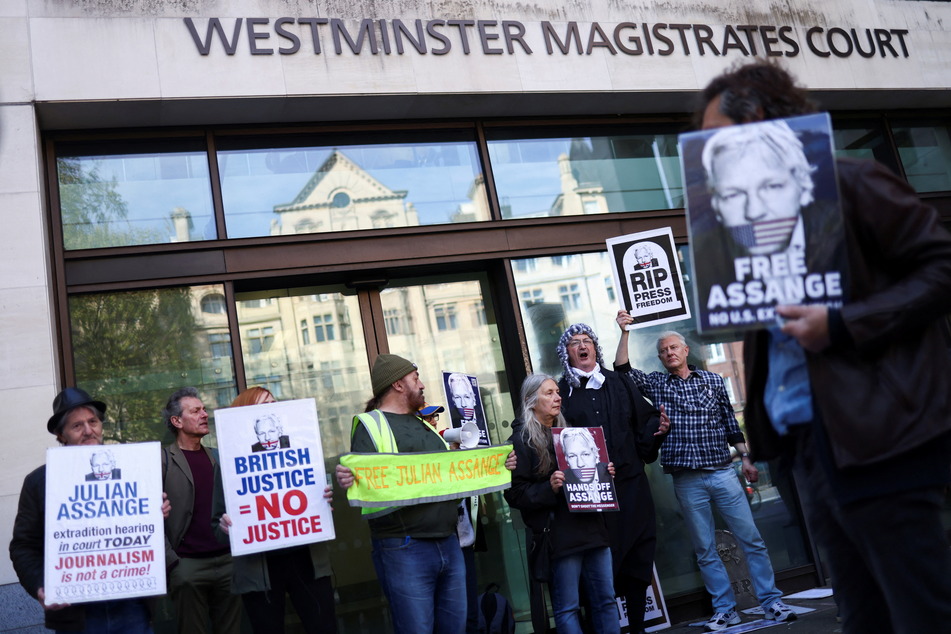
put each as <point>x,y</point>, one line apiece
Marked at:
<point>579,541</point>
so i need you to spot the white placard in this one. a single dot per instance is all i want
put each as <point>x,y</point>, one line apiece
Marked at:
<point>647,276</point>
<point>272,469</point>
<point>105,535</point>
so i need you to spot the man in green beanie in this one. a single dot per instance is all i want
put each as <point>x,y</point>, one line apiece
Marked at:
<point>416,551</point>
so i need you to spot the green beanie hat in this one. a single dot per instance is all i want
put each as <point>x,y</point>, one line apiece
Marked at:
<point>387,370</point>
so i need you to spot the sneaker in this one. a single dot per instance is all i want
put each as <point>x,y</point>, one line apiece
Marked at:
<point>780,612</point>
<point>723,620</point>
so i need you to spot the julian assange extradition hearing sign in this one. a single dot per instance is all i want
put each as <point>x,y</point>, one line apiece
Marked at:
<point>272,470</point>
<point>105,536</point>
<point>764,220</point>
<point>648,278</point>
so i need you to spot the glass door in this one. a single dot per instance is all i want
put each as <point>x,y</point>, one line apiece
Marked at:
<point>317,342</point>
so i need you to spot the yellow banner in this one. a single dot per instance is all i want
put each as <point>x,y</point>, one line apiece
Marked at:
<point>401,479</point>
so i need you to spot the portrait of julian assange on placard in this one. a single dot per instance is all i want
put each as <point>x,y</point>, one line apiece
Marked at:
<point>647,275</point>
<point>764,220</point>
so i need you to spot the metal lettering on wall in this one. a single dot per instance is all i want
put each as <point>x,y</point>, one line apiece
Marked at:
<point>289,36</point>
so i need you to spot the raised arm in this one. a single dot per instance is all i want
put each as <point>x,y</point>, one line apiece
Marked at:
<point>622,357</point>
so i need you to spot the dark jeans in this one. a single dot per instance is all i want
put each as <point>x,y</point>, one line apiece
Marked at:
<point>425,583</point>
<point>292,573</point>
<point>201,591</point>
<point>124,616</point>
<point>889,557</point>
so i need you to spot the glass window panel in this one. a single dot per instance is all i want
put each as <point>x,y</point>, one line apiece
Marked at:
<point>333,371</point>
<point>544,324</point>
<point>133,349</point>
<point>288,338</point>
<point>560,172</point>
<point>142,192</point>
<point>472,348</point>
<point>322,184</point>
<point>863,139</point>
<point>925,151</point>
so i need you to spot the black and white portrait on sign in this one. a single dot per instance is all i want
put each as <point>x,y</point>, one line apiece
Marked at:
<point>764,220</point>
<point>648,278</point>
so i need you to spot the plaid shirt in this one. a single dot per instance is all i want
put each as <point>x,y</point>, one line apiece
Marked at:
<point>702,423</point>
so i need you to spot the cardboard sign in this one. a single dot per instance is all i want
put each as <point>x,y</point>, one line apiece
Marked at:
<point>583,456</point>
<point>764,220</point>
<point>105,535</point>
<point>465,403</point>
<point>648,278</point>
<point>655,609</point>
<point>402,479</point>
<point>272,470</point>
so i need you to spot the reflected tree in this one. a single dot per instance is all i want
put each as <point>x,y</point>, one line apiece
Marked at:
<point>94,213</point>
<point>132,349</point>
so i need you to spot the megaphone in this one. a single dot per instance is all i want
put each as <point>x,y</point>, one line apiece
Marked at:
<point>467,436</point>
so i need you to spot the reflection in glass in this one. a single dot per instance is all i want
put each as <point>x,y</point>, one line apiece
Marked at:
<point>346,186</point>
<point>452,326</point>
<point>546,312</point>
<point>857,141</point>
<point>562,176</point>
<point>925,151</point>
<point>309,343</point>
<point>133,349</point>
<point>134,196</point>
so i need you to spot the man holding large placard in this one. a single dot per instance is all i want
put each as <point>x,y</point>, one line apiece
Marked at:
<point>76,421</point>
<point>858,394</point>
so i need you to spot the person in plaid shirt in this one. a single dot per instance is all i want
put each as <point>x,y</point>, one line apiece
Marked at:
<point>697,455</point>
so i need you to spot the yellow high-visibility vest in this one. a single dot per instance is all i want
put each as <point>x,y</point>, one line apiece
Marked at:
<point>383,440</point>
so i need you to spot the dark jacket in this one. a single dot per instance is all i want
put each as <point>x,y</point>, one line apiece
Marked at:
<point>531,494</point>
<point>27,548</point>
<point>249,572</point>
<point>881,388</point>
<point>629,423</point>
<point>180,487</point>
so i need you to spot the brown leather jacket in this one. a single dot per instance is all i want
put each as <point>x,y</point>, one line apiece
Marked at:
<point>882,387</point>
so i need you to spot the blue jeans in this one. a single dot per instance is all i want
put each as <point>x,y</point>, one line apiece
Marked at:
<point>425,583</point>
<point>593,568</point>
<point>696,491</point>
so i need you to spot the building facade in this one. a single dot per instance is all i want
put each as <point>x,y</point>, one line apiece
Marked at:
<point>266,192</point>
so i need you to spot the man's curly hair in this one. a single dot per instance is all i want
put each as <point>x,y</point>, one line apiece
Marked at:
<point>755,91</point>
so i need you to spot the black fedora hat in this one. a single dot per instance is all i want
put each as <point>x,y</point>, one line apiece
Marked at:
<point>68,399</point>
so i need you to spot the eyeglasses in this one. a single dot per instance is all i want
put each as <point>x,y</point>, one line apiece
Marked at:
<point>574,343</point>
<point>432,418</point>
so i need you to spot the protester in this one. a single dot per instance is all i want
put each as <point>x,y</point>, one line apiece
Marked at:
<point>858,394</point>
<point>76,420</point>
<point>580,551</point>
<point>633,431</point>
<point>697,455</point>
<point>199,566</point>
<point>416,550</point>
<point>264,579</point>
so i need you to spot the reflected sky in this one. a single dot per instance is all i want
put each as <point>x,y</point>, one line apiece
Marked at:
<point>436,177</point>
